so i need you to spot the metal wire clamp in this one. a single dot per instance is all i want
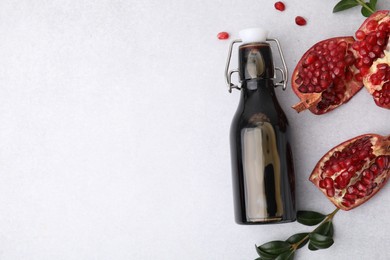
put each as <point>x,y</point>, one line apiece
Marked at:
<point>283,71</point>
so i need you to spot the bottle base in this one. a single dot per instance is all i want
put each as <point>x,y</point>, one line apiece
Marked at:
<point>265,221</point>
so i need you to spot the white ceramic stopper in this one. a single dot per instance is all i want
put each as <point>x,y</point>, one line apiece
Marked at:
<point>253,35</point>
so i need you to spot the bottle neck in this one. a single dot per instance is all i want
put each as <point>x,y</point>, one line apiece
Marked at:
<point>255,61</point>
<point>264,86</point>
<point>258,96</point>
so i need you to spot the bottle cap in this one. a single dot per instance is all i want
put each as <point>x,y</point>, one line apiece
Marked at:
<point>253,35</point>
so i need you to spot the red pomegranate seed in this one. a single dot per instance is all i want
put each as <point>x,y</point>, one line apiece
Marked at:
<point>280,6</point>
<point>350,197</point>
<point>346,203</point>
<point>299,20</point>
<point>223,35</point>
<point>328,183</point>
<point>371,25</point>
<point>382,66</point>
<point>330,192</point>
<point>360,35</point>
<point>381,162</point>
<point>360,186</point>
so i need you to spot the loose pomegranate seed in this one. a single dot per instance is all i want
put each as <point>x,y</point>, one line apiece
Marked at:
<point>280,6</point>
<point>223,35</point>
<point>299,20</point>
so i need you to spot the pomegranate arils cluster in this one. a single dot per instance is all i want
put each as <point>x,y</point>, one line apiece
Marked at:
<point>324,71</point>
<point>350,158</point>
<point>370,45</point>
<point>354,171</point>
<point>323,64</point>
<point>332,71</point>
<point>367,182</point>
<point>377,77</point>
<point>382,74</point>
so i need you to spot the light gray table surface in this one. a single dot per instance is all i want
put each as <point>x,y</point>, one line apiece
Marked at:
<point>115,122</point>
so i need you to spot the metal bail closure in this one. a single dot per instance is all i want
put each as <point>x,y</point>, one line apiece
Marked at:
<point>255,35</point>
<point>283,71</point>
<point>228,73</point>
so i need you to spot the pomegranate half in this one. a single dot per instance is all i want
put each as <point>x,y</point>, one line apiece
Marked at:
<point>373,45</point>
<point>354,171</point>
<point>332,71</point>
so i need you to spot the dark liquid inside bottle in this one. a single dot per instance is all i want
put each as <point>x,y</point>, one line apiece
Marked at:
<point>262,164</point>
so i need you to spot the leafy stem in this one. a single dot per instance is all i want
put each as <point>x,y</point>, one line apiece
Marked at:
<point>365,5</point>
<point>320,238</point>
<point>329,217</point>
<point>367,8</point>
<point>303,240</point>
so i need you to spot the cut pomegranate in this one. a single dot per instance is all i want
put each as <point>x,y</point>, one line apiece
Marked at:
<point>324,77</point>
<point>374,46</point>
<point>332,71</point>
<point>223,35</point>
<point>299,20</point>
<point>280,6</point>
<point>354,171</point>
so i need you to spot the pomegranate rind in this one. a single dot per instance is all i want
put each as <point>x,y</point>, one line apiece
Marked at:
<point>310,100</point>
<point>377,16</point>
<point>381,148</point>
<point>381,17</point>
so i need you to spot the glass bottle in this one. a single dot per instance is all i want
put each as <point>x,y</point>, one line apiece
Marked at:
<point>261,156</point>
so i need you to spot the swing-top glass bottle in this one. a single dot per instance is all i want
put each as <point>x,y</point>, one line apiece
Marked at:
<point>261,154</point>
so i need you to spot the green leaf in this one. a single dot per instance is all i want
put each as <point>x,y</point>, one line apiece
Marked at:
<point>289,255</point>
<point>274,248</point>
<point>264,255</point>
<point>297,238</point>
<point>325,229</point>
<point>373,3</point>
<point>320,241</point>
<point>344,4</point>
<point>310,218</point>
<point>365,12</point>
<point>369,8</point>
<point>311,247</point>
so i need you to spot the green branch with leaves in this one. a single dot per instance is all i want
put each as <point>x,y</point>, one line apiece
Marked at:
<point>319,238</point>
<point>367,8</point>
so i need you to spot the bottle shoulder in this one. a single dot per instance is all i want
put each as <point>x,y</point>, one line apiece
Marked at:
<point>250,112</point>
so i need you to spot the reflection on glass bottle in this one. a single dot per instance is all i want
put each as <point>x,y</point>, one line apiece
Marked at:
<point>261,164</point>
